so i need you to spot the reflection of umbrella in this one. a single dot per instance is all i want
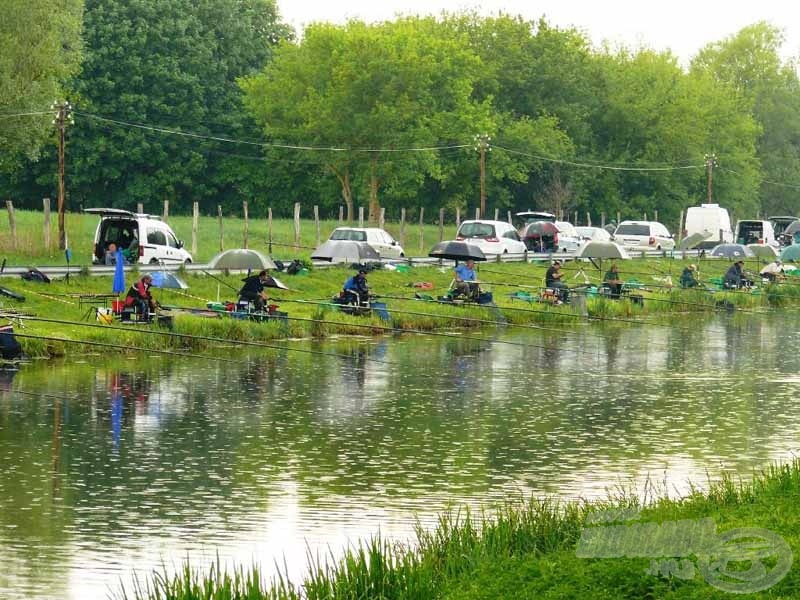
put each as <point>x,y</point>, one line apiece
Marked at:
<point>241,259</point>
<point>345,251</point>
<point>602,250</point>
<point>693,240</point>
<point>791,253</point>
<point>163,279</point>
<point>457,251</point>
<point>763,251</point>
<point>119,274</point>
<point>732,251</point>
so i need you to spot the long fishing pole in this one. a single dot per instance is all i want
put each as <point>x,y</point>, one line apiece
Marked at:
<point>118,347</point>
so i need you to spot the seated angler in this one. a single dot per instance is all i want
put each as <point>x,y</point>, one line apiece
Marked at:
<point>253,289</point>
<point>139,296</point>
<point>552,280</point>
<point>466,283</point>
<point>613,282</point>
<point>356,290</point>
<point>688,277</point>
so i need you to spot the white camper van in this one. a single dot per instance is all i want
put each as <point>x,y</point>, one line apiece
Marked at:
<point>711,220</point>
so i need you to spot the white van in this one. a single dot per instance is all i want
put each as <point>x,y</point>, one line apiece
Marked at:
<point>710,220</point>
<point>752,231</point>
<point>145,236</point>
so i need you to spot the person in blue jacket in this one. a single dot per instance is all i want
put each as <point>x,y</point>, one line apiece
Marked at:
<point>466,283</point>
<point>356,290</point>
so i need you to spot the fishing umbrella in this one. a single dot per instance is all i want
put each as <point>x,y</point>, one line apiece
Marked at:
<point>732,251</point>
<point>791,253</point>
<point>345,251</point>
<point>166,280</point>
<point>693,240</point>
<point>763,251</point>
<point>537,232</point>
<point>601,250</point>
<point>118,286</point>
<point>457,251</point>
<point>241,259</point>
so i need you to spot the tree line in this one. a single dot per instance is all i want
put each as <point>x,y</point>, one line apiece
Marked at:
<point>219,101</point>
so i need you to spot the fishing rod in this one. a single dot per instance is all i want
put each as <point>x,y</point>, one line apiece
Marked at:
<point>456,336</point>
<point>118,347</point>
<point>191,337</point>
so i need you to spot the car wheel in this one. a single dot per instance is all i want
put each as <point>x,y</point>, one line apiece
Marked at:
<point>505,251</point>
<point>188,261</point>
<point>402,255</point>
<point>153,261</point>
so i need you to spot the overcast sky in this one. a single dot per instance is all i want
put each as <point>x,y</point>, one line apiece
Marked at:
<point>681,25</point>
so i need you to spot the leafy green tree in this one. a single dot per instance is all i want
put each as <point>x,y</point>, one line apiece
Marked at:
<point>170,65</point>
<point>40,46</point>
<point>749,64</point>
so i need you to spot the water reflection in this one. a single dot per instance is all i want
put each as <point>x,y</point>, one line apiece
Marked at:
<point>107,466</point>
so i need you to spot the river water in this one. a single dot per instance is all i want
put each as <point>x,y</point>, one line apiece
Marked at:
<point>115,466</point>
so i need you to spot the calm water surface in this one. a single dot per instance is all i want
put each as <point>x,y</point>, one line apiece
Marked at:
<point>115,466</point>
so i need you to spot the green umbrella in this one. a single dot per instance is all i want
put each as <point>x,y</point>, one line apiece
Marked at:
<point>791,253</point>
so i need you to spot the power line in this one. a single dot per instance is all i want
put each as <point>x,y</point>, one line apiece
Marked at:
<point>24,114</point>
<point>597,166</point>
<point>779,184</point>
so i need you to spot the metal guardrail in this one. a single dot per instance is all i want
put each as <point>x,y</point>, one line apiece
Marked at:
<point>100,270</point>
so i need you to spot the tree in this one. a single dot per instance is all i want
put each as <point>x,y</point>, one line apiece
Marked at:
<point>40,47</point>
<point>167,65</point>
<point>378,95</point>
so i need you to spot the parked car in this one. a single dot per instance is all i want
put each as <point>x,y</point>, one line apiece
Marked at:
<point>492,237</point>
<point>779,225</point>
<point>568,239</point>
<point>383,243</point>
<point>710,220</point>
<point>149,238</point>
<point>643,235</point>
<point>753,231</point>
<point>593,234</point>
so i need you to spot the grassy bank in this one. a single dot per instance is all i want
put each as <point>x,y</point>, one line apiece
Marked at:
<point>523,550</point>
<point>515,287</point>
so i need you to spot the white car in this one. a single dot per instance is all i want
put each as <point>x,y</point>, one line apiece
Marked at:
<point>641,235</point>
<point>145,236</point>
<point>383,243</point>
<point>593,234</point>
<point>492,237</point>
<point>568,239</point>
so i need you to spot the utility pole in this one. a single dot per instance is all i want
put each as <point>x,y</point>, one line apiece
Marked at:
<point>482,145</point>
<point>711,162</point>
<point>63,118</point>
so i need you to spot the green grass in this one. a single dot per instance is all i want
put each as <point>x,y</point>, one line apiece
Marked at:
<point>309,294</point>
<point>524,549</point>
<point>81,228</point>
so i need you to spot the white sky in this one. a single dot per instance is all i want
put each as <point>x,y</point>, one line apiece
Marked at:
<point>681,25</point>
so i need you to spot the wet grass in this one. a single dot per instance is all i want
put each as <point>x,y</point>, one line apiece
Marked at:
<point>523,549</point>
<point>309,302</point>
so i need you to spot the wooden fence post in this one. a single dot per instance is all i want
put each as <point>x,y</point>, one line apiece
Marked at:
<point>588,219</point>
<point>421,230</point>
<point>619,217</point>
<point>316,222</point>
<point>361,216</point>
<point>341,214</point>
<point>269,229</point>
<point>195,222</point>
<point>165,215</point>
<point>46,207</point>
<point>441,224</point>
<point>296,226</point>
<point>139,208</point>
<point>603,220</point>
<point>382,217</point>
<point>496,214</point>
<point>458,217</point>
<point>219,218</point>
<point>12,223</point>
<point>655,215</point>
<point>680,227</point>
<point>576,218</point>
<point>644,216</point>
<point>510,222</point>
<point>477,212</point>
<point>246,224</point>
<point>403,227</point>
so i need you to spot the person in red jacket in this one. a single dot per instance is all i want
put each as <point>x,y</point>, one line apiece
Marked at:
<point>139,296</point>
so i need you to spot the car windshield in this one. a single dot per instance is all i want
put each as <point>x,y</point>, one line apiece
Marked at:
<point>633,229</point>
<point>476,230</point>
<point>352,235</point>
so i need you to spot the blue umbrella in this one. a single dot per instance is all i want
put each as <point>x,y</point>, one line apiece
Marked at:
<point>119,274</point>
